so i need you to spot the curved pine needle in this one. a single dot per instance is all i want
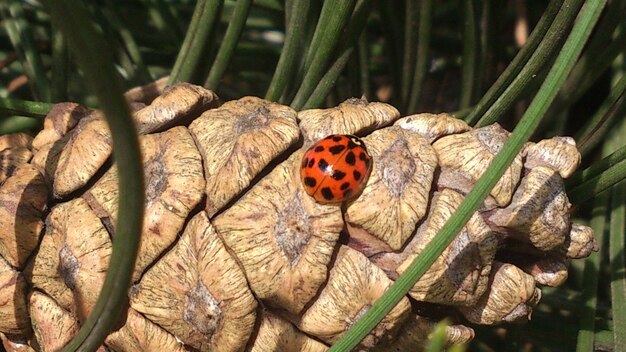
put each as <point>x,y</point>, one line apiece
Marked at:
<point>89,50</point>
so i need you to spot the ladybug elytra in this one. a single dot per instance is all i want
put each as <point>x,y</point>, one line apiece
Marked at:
<point>335,168</point>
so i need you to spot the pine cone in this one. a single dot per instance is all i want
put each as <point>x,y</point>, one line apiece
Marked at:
<point>235,255</point>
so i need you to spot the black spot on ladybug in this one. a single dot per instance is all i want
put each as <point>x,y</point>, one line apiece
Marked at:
<point>344,186</point>
<point>365,159</point>
<point>310,181</point>
<point>347,193</point>
<point>322,164</point>
<point>330,137</point>
<point>327,193</point>
<point>336,149</point>
<point>305,162</point>
<point>319,148</point>
<point>350,159</point>
<point>311,163</point>
<point>357,175</point>
<point>352,145</point>
<point>337,138</point>
<point>338,175</point>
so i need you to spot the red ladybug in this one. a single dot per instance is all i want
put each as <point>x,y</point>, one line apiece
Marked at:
<point>335,168</point>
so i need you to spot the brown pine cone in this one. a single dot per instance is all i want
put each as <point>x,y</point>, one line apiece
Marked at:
<point>235,255</point>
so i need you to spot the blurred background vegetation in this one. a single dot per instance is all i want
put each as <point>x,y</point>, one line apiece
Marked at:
<point>482,60</point>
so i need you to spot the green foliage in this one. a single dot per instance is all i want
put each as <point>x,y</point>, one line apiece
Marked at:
<point>448,55</point>
<point>89,51</point>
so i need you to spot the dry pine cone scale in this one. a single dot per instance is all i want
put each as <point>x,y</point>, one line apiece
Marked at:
<point>235,255</point>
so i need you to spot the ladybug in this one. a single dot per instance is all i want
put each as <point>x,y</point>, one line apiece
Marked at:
<point>335,169</point>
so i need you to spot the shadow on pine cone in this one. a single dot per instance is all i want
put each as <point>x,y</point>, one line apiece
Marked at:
<point>236,256</point>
